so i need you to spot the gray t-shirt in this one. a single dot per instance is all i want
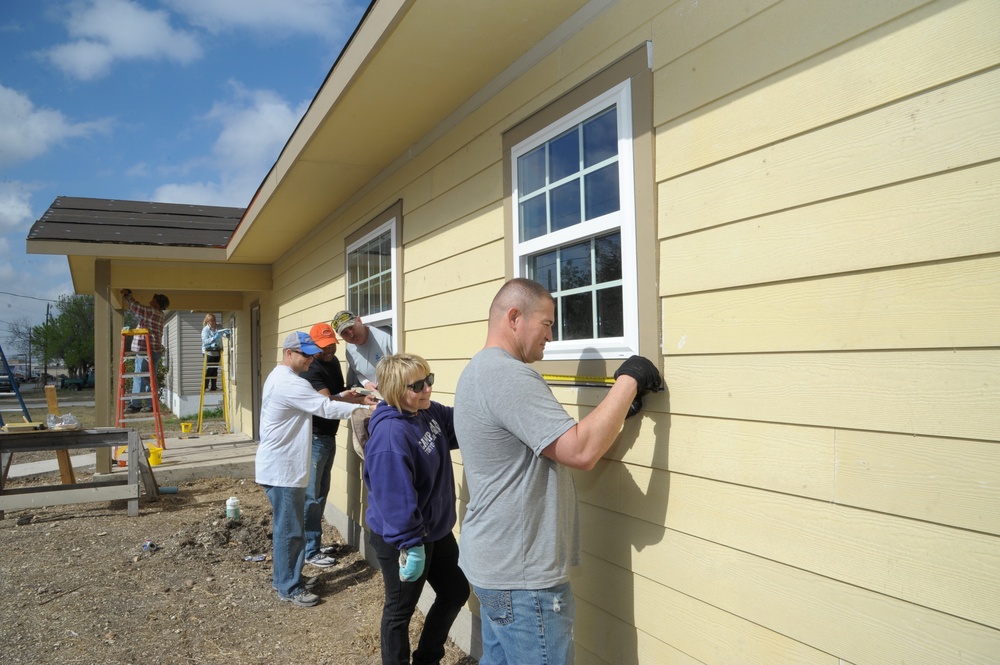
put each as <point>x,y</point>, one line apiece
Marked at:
<point>362,359</point>
<point>521,530</point>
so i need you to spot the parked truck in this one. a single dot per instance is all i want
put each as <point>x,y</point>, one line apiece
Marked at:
<point>77,382</point>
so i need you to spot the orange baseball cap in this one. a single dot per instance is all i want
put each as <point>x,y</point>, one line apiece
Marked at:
<point>322,335</point>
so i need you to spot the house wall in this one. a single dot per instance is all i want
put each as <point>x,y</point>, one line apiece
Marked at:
<point>183,333</point>
<point>821,482</point>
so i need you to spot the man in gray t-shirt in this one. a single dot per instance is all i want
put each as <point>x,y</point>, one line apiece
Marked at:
<point>365,347</point>
<point>521,532</point>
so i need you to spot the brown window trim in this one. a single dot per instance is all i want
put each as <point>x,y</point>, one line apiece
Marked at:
<point>634,67</point>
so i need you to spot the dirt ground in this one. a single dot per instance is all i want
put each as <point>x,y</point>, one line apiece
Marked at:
<point>77,586</point>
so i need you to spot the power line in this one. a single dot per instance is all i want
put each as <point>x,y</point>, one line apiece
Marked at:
<point>18,295</point>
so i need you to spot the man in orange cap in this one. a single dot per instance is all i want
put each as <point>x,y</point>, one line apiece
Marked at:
<point>326,376</point>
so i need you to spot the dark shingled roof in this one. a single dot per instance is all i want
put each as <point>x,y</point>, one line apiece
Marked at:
<point>73,219</point>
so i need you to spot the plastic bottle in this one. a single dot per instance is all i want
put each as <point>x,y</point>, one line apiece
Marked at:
<point>233,508</point>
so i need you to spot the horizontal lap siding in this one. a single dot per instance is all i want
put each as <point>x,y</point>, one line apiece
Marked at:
<point>828,216</point>
<point>818,484</point>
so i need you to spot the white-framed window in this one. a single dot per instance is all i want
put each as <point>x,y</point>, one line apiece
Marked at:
<point>573,208</point>
<point>371,275</point>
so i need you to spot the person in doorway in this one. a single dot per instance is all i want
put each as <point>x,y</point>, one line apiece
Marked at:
<point>411,508</point>
<point>326,378</point>
<point>365,347</point>
<point>283,460</point>
<point>211,347</point>
<point>521,531</point>
<point>151,318</point>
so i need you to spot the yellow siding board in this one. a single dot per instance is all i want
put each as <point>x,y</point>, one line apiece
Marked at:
<point>478,150</point>
<point>882,65</point>
<point>954,482</point>
<point>455,307</point>
<point>947,569</point>
<point>606,639</point>
<point>943,129</point>
<point>480,228</point>
<point>881,391</point>
<point>849,622</point>
<point>955,304</point>
<point>683,624</point>
<point>782,458</point>
<point>947,216</point>
<point>459,271</point>
<point>602,634</point>
<point>477,192</point>
<point>802,28</point>
<point>949,481</point>
<point>461,341</point>
<point>686,25</point>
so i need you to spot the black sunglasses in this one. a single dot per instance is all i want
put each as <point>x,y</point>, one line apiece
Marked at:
<point>301,353</point>
<point>418,386</point>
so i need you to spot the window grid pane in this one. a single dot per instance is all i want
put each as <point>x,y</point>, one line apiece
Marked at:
<point>570,178</point>
<point>585,280</point>
<point>371,277</point>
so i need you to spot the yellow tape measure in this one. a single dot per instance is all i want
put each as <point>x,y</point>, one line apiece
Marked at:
<point>579,380</point>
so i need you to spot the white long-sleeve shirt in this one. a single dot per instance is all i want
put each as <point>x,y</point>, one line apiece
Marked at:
<point>285,451</point>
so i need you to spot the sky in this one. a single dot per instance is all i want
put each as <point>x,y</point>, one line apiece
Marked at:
<point>178,101</point>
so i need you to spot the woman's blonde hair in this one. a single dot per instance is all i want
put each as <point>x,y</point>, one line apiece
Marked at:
<point>207,317</point>
<point>393,373</point>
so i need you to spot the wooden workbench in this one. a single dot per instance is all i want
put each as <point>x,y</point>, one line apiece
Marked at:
<point>55,495</point>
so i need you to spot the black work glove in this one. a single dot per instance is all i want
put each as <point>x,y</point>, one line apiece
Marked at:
<point>634,408</point>
<point>644,373</point>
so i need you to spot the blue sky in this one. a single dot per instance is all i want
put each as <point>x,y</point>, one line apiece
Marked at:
<point>182,101</point>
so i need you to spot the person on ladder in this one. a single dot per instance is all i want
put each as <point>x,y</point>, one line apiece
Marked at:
<point>151,318</point>
<point>211,346</point>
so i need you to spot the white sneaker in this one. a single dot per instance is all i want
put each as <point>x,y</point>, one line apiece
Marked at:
<point>321,561</point>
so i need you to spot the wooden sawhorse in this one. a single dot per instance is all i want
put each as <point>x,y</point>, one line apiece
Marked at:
<point>56,495</point>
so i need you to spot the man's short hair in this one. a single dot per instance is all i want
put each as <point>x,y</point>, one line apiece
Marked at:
<point>524,294</point>
<point>161,300</point>
<point>393,373</point>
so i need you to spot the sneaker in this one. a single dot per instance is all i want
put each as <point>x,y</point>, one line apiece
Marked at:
<point>302,598</point>
<point>308,582</point>
<point>133,409</point>
<point>321,561</point>
<point>328,550</point>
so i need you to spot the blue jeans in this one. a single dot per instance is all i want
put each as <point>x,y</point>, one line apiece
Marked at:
<point>527,626</point>
<point>141,384</point>
<point>289,539</point>
<point>451,590</point>
<point>324,446</point>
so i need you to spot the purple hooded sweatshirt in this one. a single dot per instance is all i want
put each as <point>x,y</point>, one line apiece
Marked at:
<point>408,472</point>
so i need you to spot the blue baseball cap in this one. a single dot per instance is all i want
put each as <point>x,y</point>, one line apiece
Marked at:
<point>299,341</point>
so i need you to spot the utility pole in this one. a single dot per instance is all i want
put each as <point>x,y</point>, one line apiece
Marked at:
<point>45,346</point>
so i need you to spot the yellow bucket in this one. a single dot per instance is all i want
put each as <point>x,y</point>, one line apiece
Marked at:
<point>155,455</point>
<point>186,428</point>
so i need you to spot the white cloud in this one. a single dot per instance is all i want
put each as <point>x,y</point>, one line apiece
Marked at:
<point>15,205</point>
<point>255,126</point>
<point>334,19</point>
<point>110,30</point>
<point>27,131</point>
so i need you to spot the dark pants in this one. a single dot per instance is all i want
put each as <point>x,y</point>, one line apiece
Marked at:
<point>451,590</point>
<point>211,371</point>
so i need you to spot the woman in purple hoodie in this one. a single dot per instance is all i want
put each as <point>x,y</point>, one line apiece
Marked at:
<point>411,508</point>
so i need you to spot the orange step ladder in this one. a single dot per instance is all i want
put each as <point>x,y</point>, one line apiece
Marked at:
<point>125,378</point>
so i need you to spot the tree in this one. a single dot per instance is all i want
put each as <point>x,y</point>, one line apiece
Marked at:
<point>69,335</point>
<point>19,338</point>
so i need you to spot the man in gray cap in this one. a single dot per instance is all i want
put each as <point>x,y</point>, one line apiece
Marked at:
<point>284,458</point>
<point>365,347</point>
